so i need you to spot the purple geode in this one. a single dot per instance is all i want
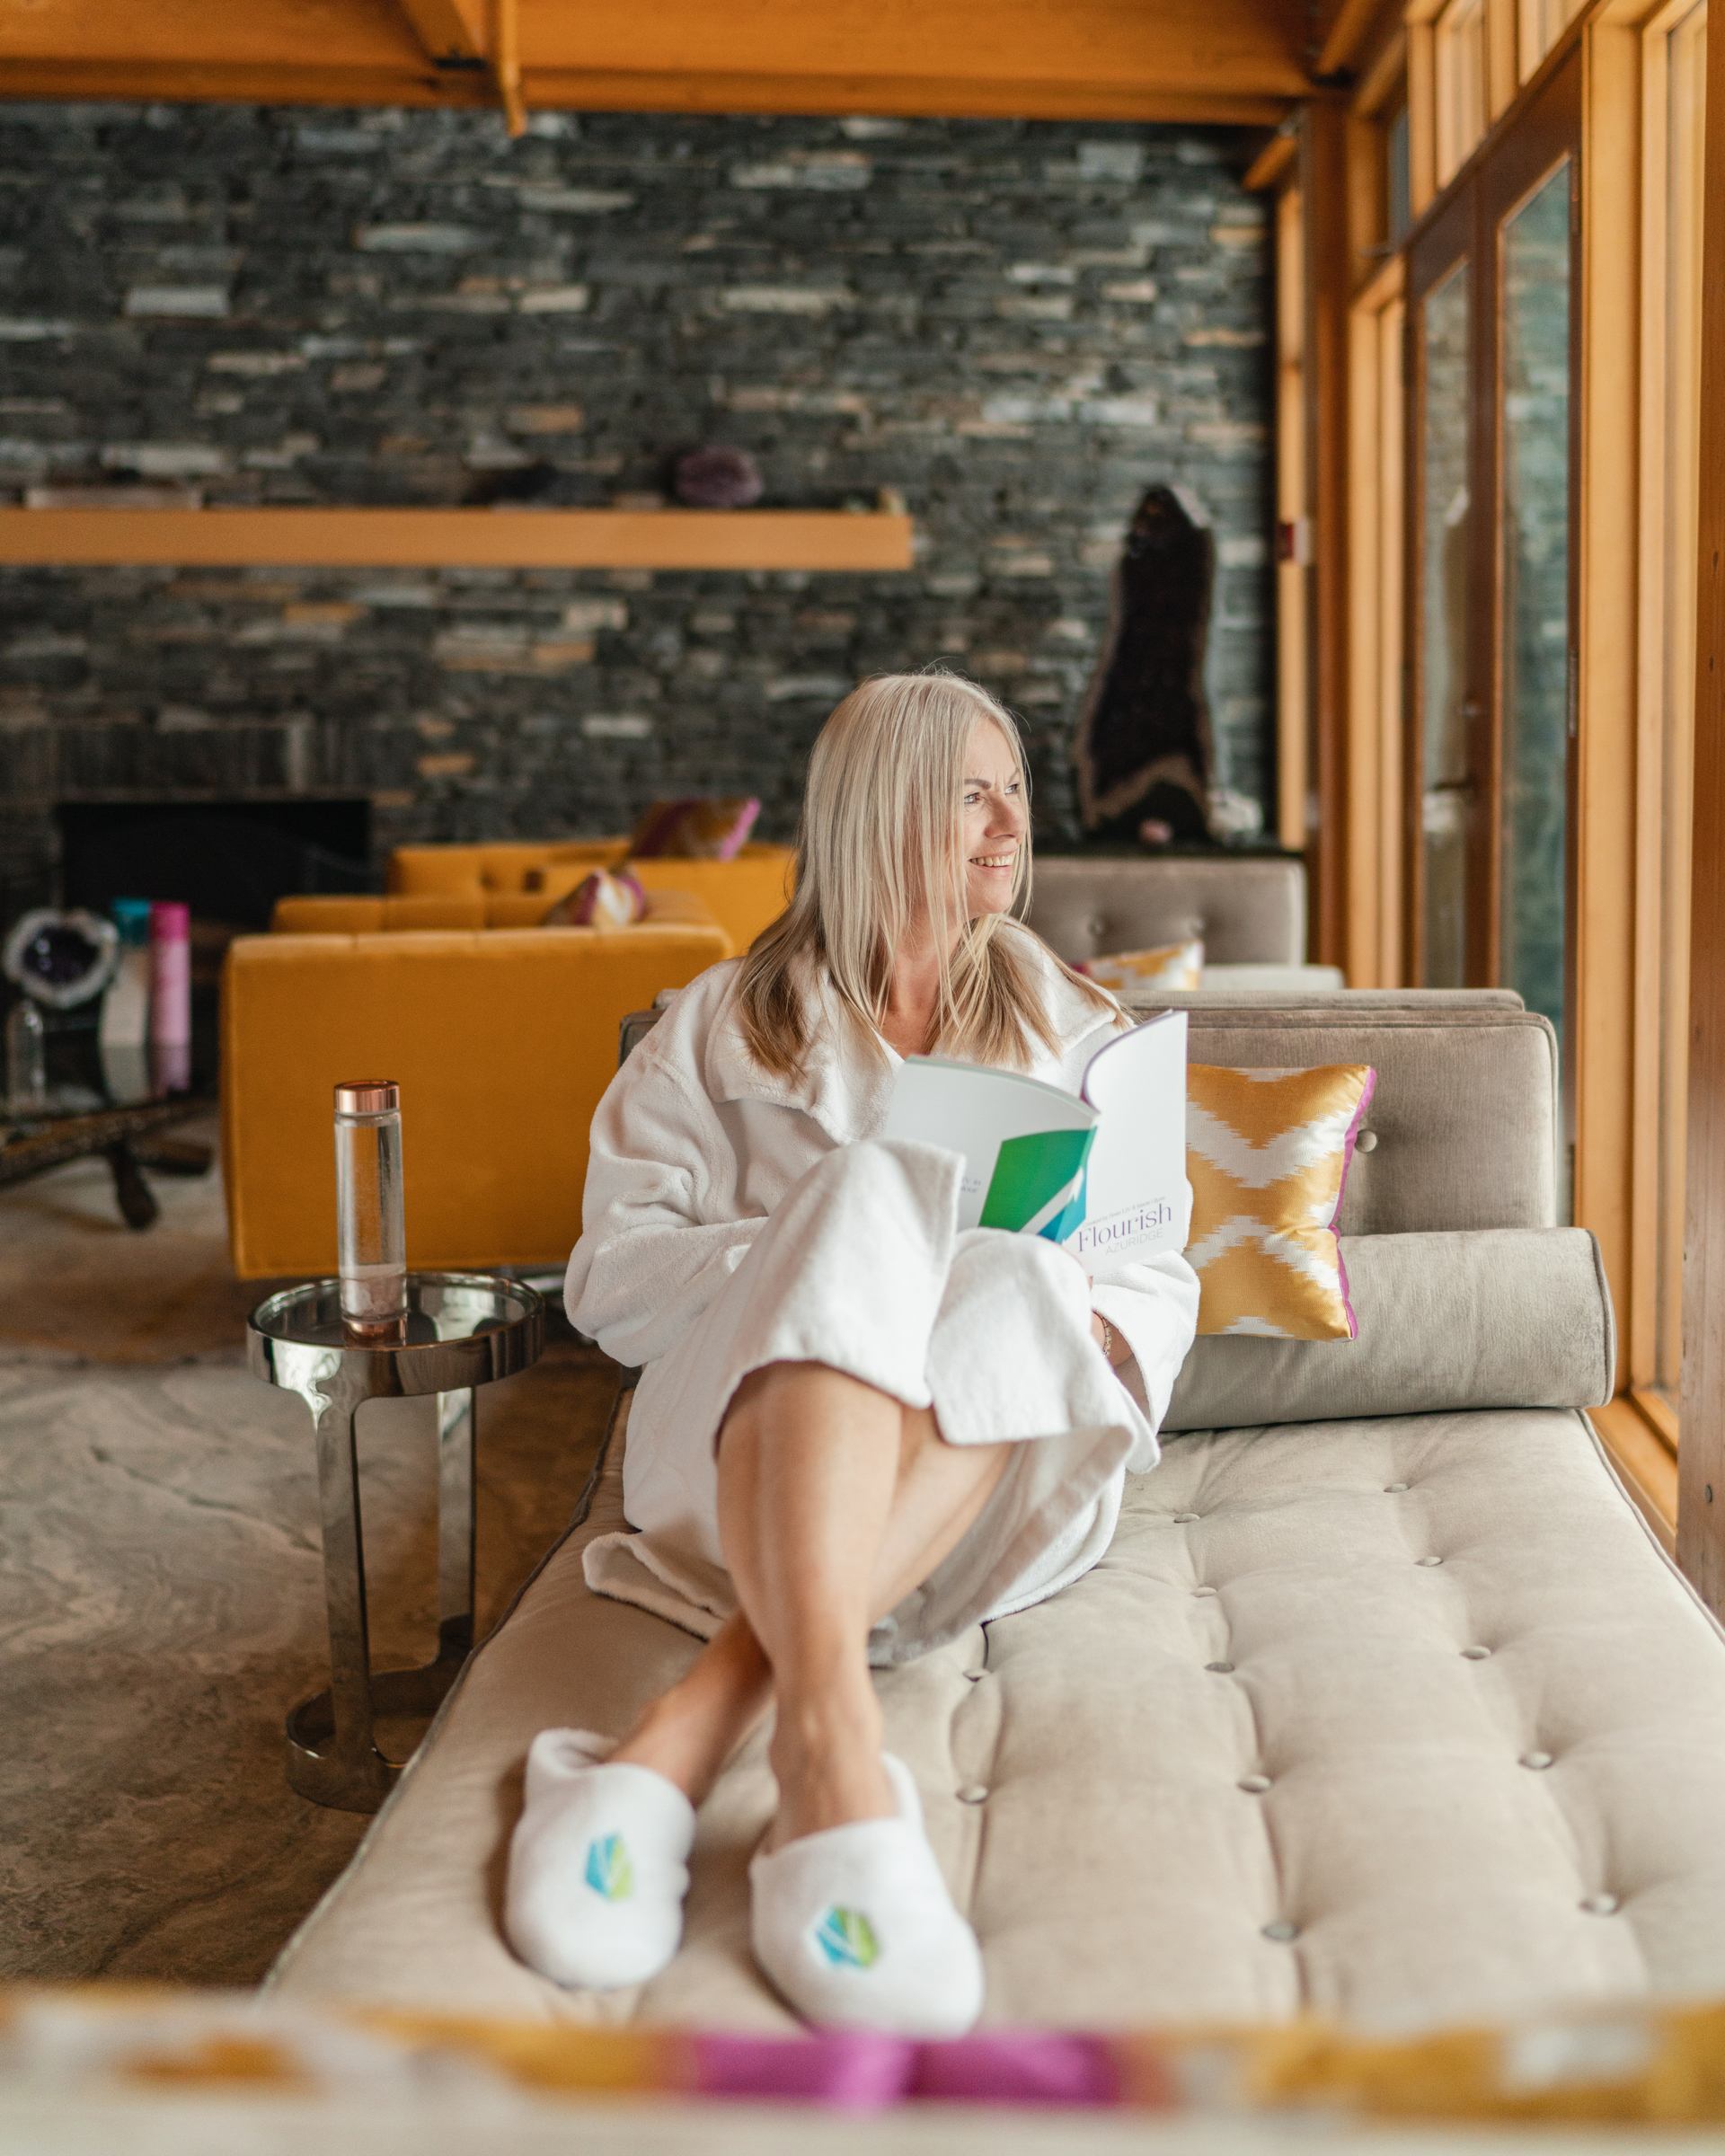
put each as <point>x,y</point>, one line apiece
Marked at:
<point>716,478</point>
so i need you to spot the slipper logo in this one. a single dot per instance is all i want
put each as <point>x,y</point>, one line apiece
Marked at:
<point>846,1938</point>
<point>608,1870</point>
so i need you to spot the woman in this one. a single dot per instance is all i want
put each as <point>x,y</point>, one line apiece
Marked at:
<point>858,1431</point>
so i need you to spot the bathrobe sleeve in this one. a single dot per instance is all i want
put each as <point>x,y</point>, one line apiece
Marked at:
<point>655,1250</point>
<point>1151,1302</point>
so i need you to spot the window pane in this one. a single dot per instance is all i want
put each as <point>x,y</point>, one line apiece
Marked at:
<point>1680,462</point>
<point>1445,708</point>
<point>1535,663</point>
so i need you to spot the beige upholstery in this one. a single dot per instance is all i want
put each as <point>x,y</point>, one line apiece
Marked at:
<point>1462,1131</point>
<point>1084,1791</point>
<point>1401,1717</point>
<point>1249,908</point>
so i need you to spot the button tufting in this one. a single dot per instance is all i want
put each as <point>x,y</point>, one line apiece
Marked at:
<point>1281,1931</point>
<point>975,1677</point>
<point>1254,1785</point>
<point>1203,1590</point>
<point>1367,1142</point>
<point>1428,1560</point>
<point>1394,1490</point>
<point>1476,1654</point>
<point>1602,1904</point>
<point>1184,1519</point>
<point>1536,1760</point>
<point>1221,1669</point>
<point>973,1792</point>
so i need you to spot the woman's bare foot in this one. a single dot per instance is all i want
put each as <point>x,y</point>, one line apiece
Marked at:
<point>827,1757</point>
<point>689,1732</point>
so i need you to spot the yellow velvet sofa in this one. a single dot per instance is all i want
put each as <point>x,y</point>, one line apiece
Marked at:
<point>502,1038</point>
<point>742,895</point>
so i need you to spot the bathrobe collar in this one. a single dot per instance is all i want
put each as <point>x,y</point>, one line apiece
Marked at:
<point>843,1087</point>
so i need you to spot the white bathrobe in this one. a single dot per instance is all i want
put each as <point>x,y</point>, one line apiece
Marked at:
<point>734,1219</point>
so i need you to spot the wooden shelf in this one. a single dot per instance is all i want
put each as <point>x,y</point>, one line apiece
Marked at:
<point>320,538</point>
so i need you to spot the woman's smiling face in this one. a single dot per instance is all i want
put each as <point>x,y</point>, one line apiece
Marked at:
<point>994,821</point>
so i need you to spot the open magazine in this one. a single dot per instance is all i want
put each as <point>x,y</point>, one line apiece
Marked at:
<point>1102,1170</point>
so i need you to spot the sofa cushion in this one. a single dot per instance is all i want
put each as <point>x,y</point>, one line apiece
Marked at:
<point>1490,1318</point>
<point>1140,973</point>
<point>1242,906</point>
<point>1462,1131</point>
<point>1268,1154</point>
<point>1400,1719</point>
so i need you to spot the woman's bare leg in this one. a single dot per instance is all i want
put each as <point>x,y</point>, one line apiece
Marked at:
<point>834,1502</point>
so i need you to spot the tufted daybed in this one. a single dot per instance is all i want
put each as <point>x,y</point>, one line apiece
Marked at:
<point>1384,1702</point>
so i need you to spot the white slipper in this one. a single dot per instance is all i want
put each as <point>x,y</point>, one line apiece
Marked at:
<point>598,1865</point>
<point>855,1927</point>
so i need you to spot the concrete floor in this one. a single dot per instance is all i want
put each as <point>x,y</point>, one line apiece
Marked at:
<point>161,1596</point>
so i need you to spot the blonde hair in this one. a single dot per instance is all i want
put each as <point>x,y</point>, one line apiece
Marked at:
<point>880,843</point>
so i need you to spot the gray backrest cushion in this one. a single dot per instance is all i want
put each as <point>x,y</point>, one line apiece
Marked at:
<point>1247,908</point>
<point>1488,1318</point>
<point>1462,1130</point>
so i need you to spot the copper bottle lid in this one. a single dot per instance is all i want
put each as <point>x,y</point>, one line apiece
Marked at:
<point>367,1097</point>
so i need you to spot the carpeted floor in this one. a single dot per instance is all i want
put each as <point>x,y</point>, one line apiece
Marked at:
<point>161,1593</point>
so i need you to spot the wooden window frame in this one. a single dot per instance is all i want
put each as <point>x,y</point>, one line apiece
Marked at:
<point>1618,839</point>
<point>1660,1027</point>
<point>1700,1512</point>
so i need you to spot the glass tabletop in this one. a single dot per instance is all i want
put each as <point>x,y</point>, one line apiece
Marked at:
<point>440,1306</point>
<point>86,1076</point>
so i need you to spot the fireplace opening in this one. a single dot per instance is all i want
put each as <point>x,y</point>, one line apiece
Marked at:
<point>229,861</point>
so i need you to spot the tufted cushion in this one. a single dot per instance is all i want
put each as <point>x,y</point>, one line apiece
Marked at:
<point>1402,1719</point>
<point>1245,908</point>
<point>1462,1131</point>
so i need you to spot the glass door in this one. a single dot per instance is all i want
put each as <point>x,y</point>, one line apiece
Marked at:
<point>1536,666</point>
<point>1444,758</point>
<point>1491,571</point>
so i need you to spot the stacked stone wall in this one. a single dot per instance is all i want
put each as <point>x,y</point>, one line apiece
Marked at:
<point>1011,327</point>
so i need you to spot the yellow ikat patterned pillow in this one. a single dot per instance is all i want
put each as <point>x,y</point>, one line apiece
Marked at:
<point>1266,1154</point>
<point>1132,972</point>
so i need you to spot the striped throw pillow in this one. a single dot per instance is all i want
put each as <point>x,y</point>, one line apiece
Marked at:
<point>1267,1153</point>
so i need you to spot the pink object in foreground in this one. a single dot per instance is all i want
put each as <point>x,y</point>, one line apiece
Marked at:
<point>858,2069</point>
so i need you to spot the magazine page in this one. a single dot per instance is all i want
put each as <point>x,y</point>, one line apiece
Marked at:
<point>1024,1142</point>
<point>1136,1196</point>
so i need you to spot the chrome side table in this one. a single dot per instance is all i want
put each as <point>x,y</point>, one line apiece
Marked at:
<point>463,1329</point>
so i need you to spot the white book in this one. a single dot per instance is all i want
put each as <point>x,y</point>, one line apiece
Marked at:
<point>1102,1170</point>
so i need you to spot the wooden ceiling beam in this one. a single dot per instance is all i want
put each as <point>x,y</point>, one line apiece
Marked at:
<point>1205,60</point>
<point>451,32</point>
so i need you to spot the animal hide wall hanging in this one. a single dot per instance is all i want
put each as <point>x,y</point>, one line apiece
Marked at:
<point>1144,749</point>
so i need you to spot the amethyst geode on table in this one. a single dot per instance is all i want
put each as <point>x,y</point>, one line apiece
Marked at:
<point>61,959</point>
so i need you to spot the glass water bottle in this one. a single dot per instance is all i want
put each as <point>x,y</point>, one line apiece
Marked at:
<point>26,1059</point>
<point>371,1242</point>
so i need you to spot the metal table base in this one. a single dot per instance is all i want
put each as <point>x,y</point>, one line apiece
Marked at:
<point>463,1331</point>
